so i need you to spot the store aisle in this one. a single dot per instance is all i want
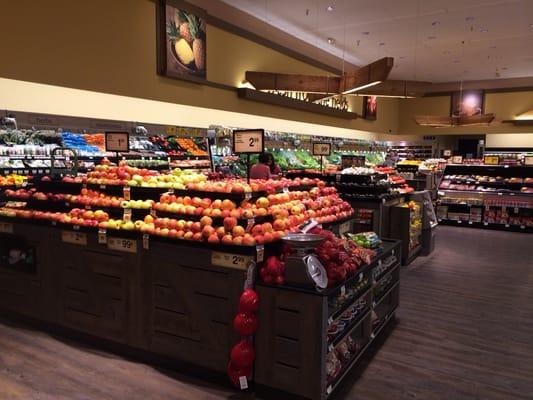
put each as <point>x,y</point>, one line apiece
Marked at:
<point>464,331</point>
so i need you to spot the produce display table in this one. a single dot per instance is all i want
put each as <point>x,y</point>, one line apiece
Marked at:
<point>176,300</point>
<point>308,340</point>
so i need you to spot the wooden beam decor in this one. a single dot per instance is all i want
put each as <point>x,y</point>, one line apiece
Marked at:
<point>283,101</point>
<point>436,121</point>
<point>293,82</point>
<point>367,76</point>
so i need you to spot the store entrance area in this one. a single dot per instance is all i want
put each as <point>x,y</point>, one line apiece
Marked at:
<point>463,331</point>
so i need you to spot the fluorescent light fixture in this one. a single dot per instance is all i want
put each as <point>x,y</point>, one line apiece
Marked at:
<point>246,84</point>
<point>362,87</point>
<point>394,96</point>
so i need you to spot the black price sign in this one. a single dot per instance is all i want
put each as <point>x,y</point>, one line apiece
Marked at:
<point>321,149</point>
<point>117,141</point>
<point>248,141</point>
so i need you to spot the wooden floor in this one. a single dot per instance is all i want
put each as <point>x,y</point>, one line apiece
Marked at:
<point>464,331</point>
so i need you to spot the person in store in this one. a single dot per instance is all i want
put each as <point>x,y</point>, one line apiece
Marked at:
<point>261,170</point>
<point>275,169</point>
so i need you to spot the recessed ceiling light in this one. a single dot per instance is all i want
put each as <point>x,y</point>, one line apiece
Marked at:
<point>365,33</point>
<point>483,30</point>
<point>331,40</point>
<point>435,23</point>
<point>469,19</point>
<point>382,44</point>
<point>329,8</point>
<point>432,37</point>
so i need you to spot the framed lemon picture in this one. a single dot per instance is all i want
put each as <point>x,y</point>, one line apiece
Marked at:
<point>181,40</point>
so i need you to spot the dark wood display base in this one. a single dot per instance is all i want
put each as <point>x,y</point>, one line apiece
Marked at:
<point>292,342</point>
<point>168,301</point>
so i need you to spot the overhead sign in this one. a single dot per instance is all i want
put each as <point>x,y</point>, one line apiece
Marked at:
<point>248,141</point>
<point>321,149</point>
<point>117,141</point>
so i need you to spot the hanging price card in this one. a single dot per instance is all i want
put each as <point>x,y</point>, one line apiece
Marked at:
<point>235,261</point>
<point>6,227</point>
<point>119,244</point>
<point>74,238</point>
<point>248,141</point>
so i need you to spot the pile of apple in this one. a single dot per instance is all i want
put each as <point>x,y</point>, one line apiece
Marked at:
<point>93,198</point>
<point>255,185</point>
<point>341,258</point>
<point>26,194</point>
<point>125,175</point>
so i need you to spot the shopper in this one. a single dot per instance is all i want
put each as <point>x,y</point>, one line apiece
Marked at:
<point>275,169</point>
<point>261,170</point>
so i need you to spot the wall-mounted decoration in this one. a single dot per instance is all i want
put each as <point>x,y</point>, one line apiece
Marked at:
<point>181,40</point>
<point>370,107</point>
<point>467,103</point>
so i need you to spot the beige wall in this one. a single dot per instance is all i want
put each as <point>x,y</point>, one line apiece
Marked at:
<point>109,46</point>
<point>504,105</point>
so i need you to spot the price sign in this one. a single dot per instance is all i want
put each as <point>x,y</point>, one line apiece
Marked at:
<point>74,238</point>
<point>248,141</point>
<point>126,245</point>
<point>447,153</point>
<point>491,160</point>
<point>6,227</point>
<point>235,261</point>
<point>117,141</point>
<point>528,160</point>
<point>457,159</point>
<point>321,149</point>
<point>344,228</point>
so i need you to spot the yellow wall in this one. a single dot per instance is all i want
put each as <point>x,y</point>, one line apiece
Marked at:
<point>505,106</point>
<point>109,46</point>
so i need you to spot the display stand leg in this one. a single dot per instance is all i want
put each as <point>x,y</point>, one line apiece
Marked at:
<point>248,168</point>
<point>321,165</point>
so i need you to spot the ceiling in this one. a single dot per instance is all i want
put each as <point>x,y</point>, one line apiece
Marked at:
<point>425,37</point>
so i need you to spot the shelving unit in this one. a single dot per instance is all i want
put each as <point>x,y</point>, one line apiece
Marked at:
<point>420,151</point>
<point>491,197</point>
<point>294,354</point>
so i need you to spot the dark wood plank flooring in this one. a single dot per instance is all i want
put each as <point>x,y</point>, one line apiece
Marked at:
<point>464,331</point>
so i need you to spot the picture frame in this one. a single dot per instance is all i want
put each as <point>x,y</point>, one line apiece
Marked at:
<point>467,103</point>
<point>370,107</point>
<point>181,38</point>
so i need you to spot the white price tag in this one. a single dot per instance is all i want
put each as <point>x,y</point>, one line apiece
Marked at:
<point>6,227</point>
<point>243,382</point>
<point>119,244</point>
<point>516,210</point>
<point>285,189</point>
<point>522,227</point>
<point>248,141</point>
<point>102,236</point>
<point>127,214</point>
<point>235,261</point>
<point>127,193</point>
<point>74,238</point>
<point>343,290</point>
<point>260,251</point>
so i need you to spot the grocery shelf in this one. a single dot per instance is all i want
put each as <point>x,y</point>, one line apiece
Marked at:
<point>337,312</point>
<point>349,329</point>
<point>384,295</point>
<point>487,225</point>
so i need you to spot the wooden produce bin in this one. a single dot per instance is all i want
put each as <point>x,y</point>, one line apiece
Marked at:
<point>295,336</point>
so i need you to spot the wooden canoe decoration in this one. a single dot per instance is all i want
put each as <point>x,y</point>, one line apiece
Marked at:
<point>436,121</point>
<point>350,82</point>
